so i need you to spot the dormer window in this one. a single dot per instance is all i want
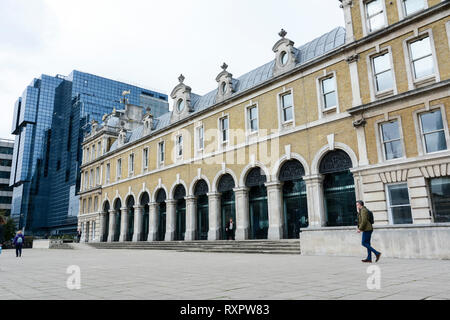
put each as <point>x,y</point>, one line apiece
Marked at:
<point>225,84</point>
<point>224,87</point>
<point>180,105</point>
<point>284,57</point>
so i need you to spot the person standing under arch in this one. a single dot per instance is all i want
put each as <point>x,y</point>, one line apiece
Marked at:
<point>230,229</point>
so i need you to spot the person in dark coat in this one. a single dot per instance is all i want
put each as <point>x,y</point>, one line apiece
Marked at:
<point>78,235</point>
<point>230,228</point>
<point>19,240</point>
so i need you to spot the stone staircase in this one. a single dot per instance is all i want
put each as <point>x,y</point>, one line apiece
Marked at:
<point>222,246</point>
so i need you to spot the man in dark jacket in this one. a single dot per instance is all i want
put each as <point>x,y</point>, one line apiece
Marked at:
<point>19,240</point>
<point>230,229</point>
<point>366,228</point>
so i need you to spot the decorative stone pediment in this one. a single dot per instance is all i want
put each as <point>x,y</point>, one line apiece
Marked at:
<point>122,137</point>
<point>181,96</point>
<point>225,82</point>
<point>285,54</point>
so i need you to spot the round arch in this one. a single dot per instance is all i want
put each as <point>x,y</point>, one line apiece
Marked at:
<point>172,189</point>
<point>219,176</point>
<point>155,192</point>
<point>194,182</point>
<point>279,164</point>
<point>249,167</point>
<point>324,150</point>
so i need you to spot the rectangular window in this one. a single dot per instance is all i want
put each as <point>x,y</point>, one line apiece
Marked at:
<point>440,199</point>
<point>413,6</point>
<point>374,15</point>
<point>93,230</point>
<point>392,144</point>
<point>99,148</point>
<point>382,72</point>
<point>93,152</point>
<point>200,138</point>
<point>86,181</point>
<point>88,155</point>
<point>287,107</point>
<point>145,158</point>
<point>252,116</point>
<point>108,172</point>
<point>421,58</point>
<point>433,131</point>
<point>329,93</point>
<point>399,206</point>
<point>224,129</point>
<point>131,164</point>
<point>119,168</point>
<point>97,176</point>
<point>179,146</point>
<point>91,178</point>
<point>161,152</point>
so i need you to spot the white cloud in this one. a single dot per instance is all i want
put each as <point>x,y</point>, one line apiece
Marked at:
<point>148,42</point>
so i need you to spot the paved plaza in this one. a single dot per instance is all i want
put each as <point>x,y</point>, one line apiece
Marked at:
<point>147,274</point>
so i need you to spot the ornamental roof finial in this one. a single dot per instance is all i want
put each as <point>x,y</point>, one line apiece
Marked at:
<point>282,33</point>
<point>224,66</point>
<point>181,78</point>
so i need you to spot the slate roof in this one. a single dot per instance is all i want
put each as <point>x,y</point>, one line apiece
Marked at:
<point>313,49</point>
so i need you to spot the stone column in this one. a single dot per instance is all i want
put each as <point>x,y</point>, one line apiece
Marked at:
<point>314,193</point>
<point>242,213</point>
<point>83,232</point>
<point>123,224</point>
<point>102,226</point>
<point>362,146</point>
<point>354,78</point>
<point>170,220</point>
<point>191,218</point>
<point>112,225</point>
<point>138,216</point>
<point>153,221</point>
<point>214,216</point>
<point>275,208</point>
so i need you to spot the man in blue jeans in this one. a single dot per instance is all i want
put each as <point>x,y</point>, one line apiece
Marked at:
<point>365,226</point>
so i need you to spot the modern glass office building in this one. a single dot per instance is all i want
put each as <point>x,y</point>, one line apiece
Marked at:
<point>49,122</point>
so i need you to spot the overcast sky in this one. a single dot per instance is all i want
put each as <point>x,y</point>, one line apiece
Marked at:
<point>148,43</point>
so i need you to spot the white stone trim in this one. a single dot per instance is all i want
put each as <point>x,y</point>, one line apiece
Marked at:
<point>248,132</point>
<point>388,202</point>
<point>172,189</point>
<point>447,28</point>
<point>338,145</point>
<point>374,94</point>
<point>141,193</point>
<point>402,12</point>
<point>320,101</point>
<point>220,174</point>
<point>155,192</point>
<point>194,182</point>
<point>250,166</point>
<point>292,156</point>
<point>380,144</point>
<point>365,22</point>
<point>282,125</point>
<point>412,81</point>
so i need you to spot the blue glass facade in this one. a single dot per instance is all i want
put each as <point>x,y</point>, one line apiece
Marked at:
<point>49,123</point>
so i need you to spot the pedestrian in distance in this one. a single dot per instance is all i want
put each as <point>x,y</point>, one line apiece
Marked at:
<point>230,229</point>
<point>19,240</point>
<point>365,222</point>
<point>78,235</point>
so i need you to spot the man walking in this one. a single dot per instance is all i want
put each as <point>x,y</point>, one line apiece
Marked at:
<point>19,239</point>
<point>365,221</point>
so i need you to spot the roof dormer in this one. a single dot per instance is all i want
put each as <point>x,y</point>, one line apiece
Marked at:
<point>225,81</point>
<point>286,54</point>
<point>181,96</point>
<point>148,122</point>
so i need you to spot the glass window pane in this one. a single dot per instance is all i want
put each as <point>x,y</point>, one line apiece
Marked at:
<point>431,121</point>
<point>401,215</point>
<point>412,6</point>
<point>287,100</point>
<point>288,114</point>
<point>420,48</point>
<point>424,67</point>
<point>435,141</point>
<point>440,198</point>
<point>328,85</point>
<point>330,100</point>
<point>393,150</point>
<point>381,63</point>
<point>374,7</point>
<point>390,131</point>
<point>398,194</point>
<point>376,22</point>
<point>384,81</point>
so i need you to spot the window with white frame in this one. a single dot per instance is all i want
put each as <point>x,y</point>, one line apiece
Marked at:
<point>433,132</point>
<point>252,119</point>
<point>93,230</point>
<point>224,126</point>
<point>374,15</point>
<point>179,146</point>
<point>99,148</point>
<point>412,6</point>
<point>97,176</point>
<point>86,180</point>
<point>200,138</point>
<point>108,172</point>
<point>119,169</point>
<point>421,56</point>
<point>399,204</point>
<point>93,152</point>
<point>382,72</point>
<point>91,178</point>
<point>161,152</point>
<point>89,205</point>
<point>328,92</point>
<point>391,140</point>
<point>145,158</point>
<point>131,164</point>
<point>84,209</point>
<point>88,154</point>
<point>287,107</point>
